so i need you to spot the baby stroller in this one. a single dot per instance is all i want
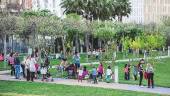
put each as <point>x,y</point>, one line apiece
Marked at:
<point>60,70</point>
<point>45,73</point>
<point>49,77</point>
<point>71,71</point>
<point>90,79</point>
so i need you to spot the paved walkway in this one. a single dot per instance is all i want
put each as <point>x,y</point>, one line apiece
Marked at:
<point>158,90</point>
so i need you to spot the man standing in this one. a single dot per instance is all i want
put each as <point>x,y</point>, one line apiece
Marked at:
<point>17,66</point>
<point>76,59</point>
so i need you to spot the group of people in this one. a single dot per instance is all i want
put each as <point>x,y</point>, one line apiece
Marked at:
<point>75,70</point>
<point>139,71</point>
<point>30,68</point>
<point>95,74</point>
<point>95,53</point>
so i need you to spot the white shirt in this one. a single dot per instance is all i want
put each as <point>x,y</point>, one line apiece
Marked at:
<point>43,70</point>
<point>32,65</point>
<point>89,53</point>
<point>94,52</point>
<point>97,53</point>
<point>27,63</point>
<point>108,72</point>
<point>80,72</point>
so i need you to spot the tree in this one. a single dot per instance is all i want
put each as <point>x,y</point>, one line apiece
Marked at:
<point>122,8</point>
<point>97,9</point>
<point>9,25</point>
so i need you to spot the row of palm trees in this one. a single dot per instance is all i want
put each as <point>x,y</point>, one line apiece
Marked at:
<point>98,9</point>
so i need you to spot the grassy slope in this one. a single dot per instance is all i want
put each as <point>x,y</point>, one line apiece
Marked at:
<point>9,88</point>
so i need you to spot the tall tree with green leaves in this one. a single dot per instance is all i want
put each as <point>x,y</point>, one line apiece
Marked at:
<point>122,8</point>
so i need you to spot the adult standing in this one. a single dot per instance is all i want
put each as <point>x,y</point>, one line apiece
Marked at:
<point>32,67</point>
<point>150,75</point>
<point>76,59</point>
<point>126,72</point>
<point>11,63</point>
<point>140,69</point>
<point>17,66</point>
<point>27,67</point>
<point>23,67</point>
<point>100,71</point>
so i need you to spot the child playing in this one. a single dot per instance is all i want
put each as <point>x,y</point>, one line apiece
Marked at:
<point>100,71</point>
<point>94,75</point>
<point>80,74</point>
<point>108,74</point>
<point>43,72</point>
<point>85,73</point>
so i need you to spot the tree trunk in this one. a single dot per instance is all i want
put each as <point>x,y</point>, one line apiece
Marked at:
<point>100,43</point>
<point>120,18</point>
<point>12,43</point>
<point>77,43</point>
<point>5,51</point>
<point>87,46</point>
<point>64,50</point>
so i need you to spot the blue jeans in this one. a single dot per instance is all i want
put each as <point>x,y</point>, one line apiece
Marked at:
<point>95,78</point>
<point>77,65</point>
<point>17,71</point>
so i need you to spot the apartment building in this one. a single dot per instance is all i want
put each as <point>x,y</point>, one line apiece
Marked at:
<point>11,5</point>
<point>148,11</point>
<point>52,5</point>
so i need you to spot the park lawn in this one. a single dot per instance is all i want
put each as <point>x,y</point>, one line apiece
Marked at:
<point>120,56</point>
<point>2,66</point>
<point>11,88</point>
<point>161,75</point>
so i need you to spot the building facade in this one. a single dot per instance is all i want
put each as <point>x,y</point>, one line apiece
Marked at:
<point>52,5</point>
<point>148,11</point>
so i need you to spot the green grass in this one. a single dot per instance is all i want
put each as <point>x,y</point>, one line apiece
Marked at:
<point>11,88</point>
<point>161,71</point>
<point>2,66</point>
<point>161,75</point>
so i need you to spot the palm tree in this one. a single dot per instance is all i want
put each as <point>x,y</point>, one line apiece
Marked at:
<point>122,8</point>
